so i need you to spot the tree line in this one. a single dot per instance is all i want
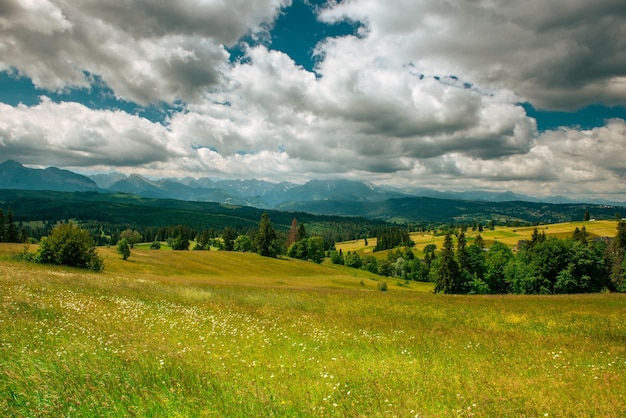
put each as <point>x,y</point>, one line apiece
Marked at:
<point>9,231</point>
<point>541,265</point>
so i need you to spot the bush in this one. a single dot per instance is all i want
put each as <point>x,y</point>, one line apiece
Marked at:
<point>336,258</point>
<point>123,248</point>
<point>179,243</point>
<point>69,245</point>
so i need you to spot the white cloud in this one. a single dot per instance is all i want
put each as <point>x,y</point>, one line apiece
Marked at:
<point>70,134</point>
<point>426,96</point>
<point>146,51</point>
<point>560,55</point>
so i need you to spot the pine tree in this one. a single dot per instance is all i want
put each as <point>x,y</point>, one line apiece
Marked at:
<point>581,235</point>
<point>302,234</point>
<point>2,227</point>
<point>265,238</point>
<point>461,252</point>
<point>620,236</point>
<point>11,230</point>
<point>536,237</point>
<point>447,270</point>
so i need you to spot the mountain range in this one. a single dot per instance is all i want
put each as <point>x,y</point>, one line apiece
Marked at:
<point>342,197</point>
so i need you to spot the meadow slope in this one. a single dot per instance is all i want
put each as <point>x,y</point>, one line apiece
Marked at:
<point>506,235</point>
<point>219,334</point>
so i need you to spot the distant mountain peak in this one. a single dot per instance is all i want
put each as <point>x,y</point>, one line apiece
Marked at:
<point>14,175</point>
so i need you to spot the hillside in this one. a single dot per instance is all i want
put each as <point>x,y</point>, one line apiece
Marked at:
<point>139,212</point>
<point>229,334</point>
<point>510,236</point>
<point>432,210</point>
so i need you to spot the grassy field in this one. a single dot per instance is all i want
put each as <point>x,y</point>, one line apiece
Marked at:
<point>226,334</point>
<point>507,235</point>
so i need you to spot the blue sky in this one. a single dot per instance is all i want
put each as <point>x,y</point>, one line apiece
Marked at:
<point>410,93</point>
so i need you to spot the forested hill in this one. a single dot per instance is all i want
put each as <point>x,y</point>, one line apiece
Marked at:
<point>432,210</point>
<point>347,220</point>
<point>133,211</point>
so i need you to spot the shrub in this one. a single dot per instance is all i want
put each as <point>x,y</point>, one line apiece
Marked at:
<point>69,245</point>
<point>123,248</point>
<point>179,244</point>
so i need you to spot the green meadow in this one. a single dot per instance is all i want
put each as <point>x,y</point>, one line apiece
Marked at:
<point>506,235</point>
<point>205,334</point>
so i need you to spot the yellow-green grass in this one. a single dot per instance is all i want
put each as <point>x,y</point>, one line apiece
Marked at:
<point>216,334</point>
<point>506,235</point>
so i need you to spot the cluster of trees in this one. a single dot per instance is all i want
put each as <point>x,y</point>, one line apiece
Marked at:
<point>303,246</point>
<point>543,265</point>
<point>389,238</point>
<point>8,230</point>
<point>400,263</point>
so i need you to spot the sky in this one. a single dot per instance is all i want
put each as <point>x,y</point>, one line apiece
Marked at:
<point>496,95</point>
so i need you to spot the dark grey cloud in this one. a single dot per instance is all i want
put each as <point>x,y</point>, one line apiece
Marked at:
<point>559,55</point>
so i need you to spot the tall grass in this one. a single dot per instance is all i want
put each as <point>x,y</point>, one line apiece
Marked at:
<point>238,335</point>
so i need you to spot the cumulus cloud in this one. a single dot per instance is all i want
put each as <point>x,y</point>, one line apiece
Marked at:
<point>571,162</point>
<point>46,132</point>
<point>426,94</point>
<point>560,55</point>
<point>146,51</point>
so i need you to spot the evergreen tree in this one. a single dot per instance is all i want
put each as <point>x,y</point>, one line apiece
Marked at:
<point>228,236</point>
<point>302,234</point>
<point>615,259</point>
<point>479,242</point>
<point>461,252</point>
<point>620,236</point>
<point>11,230</point>
<point>2,227</point>
<point>203,239</point>
<point>265,238</point>
<point>581,235</point>
<point>447,271</point>
<point>536,238</point>
<point>180,243</point>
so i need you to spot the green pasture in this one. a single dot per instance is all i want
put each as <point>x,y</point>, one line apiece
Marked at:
<point>207,334</point>
<point>506,235</point>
